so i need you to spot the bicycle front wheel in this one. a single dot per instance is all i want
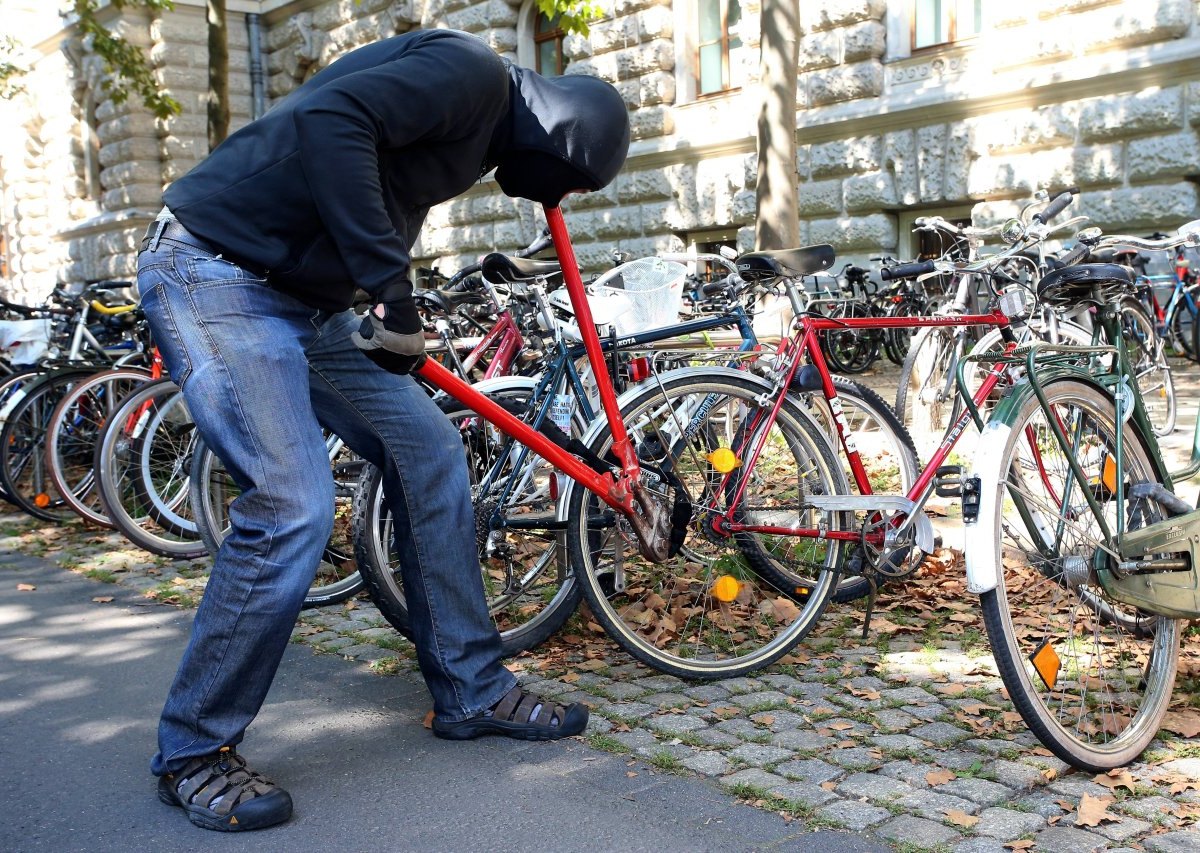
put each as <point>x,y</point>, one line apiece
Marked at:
<point>1149,364</point>
<point>705,612</point>
<point>927,399</point>
<point>1091,676</point>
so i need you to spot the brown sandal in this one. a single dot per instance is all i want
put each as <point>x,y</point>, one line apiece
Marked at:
<point>519,715</point>
<point>220,792</point>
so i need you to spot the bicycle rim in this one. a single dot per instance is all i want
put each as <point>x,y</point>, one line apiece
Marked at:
<point>1091,677</point>
<point>705,613</point>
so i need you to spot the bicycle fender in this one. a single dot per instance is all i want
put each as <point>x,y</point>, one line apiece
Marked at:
<point>983,564</point>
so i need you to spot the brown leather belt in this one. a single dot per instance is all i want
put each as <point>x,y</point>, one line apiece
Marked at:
<point>172,229</point>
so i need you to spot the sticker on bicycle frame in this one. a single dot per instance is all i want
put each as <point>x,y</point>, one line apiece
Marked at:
<point>1047,663</point>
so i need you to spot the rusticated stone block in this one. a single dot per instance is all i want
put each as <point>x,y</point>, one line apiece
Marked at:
<point>845,83</point>
<point>820,50</point>
<point>1131,114</point>
<point>605,36</point>
<point>900,158</point>
<point>1141,207</point>
<point>1194,103</point>
<point>644,186</point>
<point>838,13</point>
<point>820,198</point>
<point>1163,156</point>
<point>651,121</point>
<point>877,231</point>
<point>1018,130</point>
<point>845,156</point>
<point>134,195</point>
<point>1131,24</point>
<point>931,161</point>
<point>745,206</point>
<point>657,22</point>
<point>1022,173</point>
<point>615,223</point>
<point>870,192</point>
<point>867,40</point>
<point>134,148</point>
<point>962,150</point>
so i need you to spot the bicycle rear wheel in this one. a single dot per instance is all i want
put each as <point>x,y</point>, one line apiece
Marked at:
<point>1149,364</point>
<point>24,476</point>
<point>213,491</point>
<point>530,588</point>
<point>705,612</point>
<point>140,463</point>
<point>75,428</point>
<point>1091,677</point>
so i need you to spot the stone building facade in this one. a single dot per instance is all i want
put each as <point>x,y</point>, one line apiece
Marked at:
<point>899,115</point>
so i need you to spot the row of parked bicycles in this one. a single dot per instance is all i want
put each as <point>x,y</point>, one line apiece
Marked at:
<point>673,444</point>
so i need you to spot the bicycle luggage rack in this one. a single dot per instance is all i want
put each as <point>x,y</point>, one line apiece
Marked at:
<point>1040,354</point>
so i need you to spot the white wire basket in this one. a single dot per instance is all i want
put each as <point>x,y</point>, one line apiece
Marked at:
<point>653,291</point>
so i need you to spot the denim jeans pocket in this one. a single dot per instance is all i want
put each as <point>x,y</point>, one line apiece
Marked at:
<point>157,307</point>
<point>205,271</point>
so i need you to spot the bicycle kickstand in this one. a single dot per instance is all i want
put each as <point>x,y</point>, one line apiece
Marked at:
<point>870,605</point>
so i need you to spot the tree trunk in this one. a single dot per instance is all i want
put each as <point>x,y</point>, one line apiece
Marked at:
<point>218,74</point>
<point>778,223</point>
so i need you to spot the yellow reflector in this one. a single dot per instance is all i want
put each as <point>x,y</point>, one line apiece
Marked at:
<point>726,588</point>
<point>1109,477</point>
<point>724,460</point>
<point>1047,663</point>
<point>42,500</point>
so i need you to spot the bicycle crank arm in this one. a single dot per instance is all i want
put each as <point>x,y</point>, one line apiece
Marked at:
<point>1159,585</point>
<point>922,526</point>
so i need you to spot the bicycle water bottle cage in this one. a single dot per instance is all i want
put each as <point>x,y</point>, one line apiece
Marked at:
<point>1097,284</point>
<point>764,266</point>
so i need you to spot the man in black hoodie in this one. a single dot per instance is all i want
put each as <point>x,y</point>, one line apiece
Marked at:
<point>247,277</point>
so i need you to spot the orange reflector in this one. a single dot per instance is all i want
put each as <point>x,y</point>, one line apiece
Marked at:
<point>42,500</point>
<point>726,588</point>
<point>724,460</point>
<point>1109,477</point>
<point>1047,663</point>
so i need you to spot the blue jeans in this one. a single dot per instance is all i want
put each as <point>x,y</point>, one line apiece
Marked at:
<point>262,373</point>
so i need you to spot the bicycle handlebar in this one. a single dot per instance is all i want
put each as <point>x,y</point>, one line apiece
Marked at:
<point>1057,206</point>
<point>911,270</point>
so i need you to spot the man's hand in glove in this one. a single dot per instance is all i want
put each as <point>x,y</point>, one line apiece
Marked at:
<point>390,334</point>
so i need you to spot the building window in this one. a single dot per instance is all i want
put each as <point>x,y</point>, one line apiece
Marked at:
<point>718,45</point>
<point>548,46</point>
<point>938,22</point>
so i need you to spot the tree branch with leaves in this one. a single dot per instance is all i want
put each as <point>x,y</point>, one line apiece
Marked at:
<point>126,65</point>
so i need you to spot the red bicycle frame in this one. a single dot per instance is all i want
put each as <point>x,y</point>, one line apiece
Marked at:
<point>806,341</point>
<point>616,491</point>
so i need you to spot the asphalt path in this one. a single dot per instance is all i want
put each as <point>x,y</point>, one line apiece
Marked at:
<point>81,684</point>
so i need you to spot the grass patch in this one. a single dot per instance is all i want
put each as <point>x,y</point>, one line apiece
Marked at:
<point>384,666</point>
<point>172,593</point>
<point>102,575</point>
<point>606,743</point>
<point>664,760</point>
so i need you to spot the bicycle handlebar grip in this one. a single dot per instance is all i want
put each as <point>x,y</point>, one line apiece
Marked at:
<point>912,270</point>
<point>1054,208</point>
<point>1077,254</point>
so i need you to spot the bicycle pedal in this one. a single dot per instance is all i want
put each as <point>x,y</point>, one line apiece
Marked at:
<point>948,482</point>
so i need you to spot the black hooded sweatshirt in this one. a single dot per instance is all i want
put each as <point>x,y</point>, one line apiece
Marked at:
<point>329,189</point>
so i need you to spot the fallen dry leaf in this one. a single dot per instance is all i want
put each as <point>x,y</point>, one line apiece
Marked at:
<point>958,818</point>
<point>1093,811</point>
<point>570,677</point>
<point>591,665</point>
<point>766,720</point>
<point>428,723</point>
<point>102,599</point>
<point>1186,723</point>
<point>1049,774</point>
<point>841,726</point>
<point>1023,844</point>
<point>1114,779</point>
<point>25,587</point>
<point>940,777</point>
<point>829,786</point>
<point>950,689</point>
<point>630,773</point>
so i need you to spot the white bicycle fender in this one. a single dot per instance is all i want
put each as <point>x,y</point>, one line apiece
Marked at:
<point>983,569</point>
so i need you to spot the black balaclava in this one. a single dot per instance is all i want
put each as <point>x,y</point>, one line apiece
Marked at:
<point>567,133</point>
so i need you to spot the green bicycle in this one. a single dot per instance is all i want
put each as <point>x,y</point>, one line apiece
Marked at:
<point>1084,559</point>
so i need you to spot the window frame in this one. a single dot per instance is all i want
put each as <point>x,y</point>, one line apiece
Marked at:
<point>556,34</point>
<point>951,34</point>
<point>727,85</point>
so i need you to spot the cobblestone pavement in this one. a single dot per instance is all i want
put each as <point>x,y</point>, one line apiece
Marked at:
<point>905,737</point>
